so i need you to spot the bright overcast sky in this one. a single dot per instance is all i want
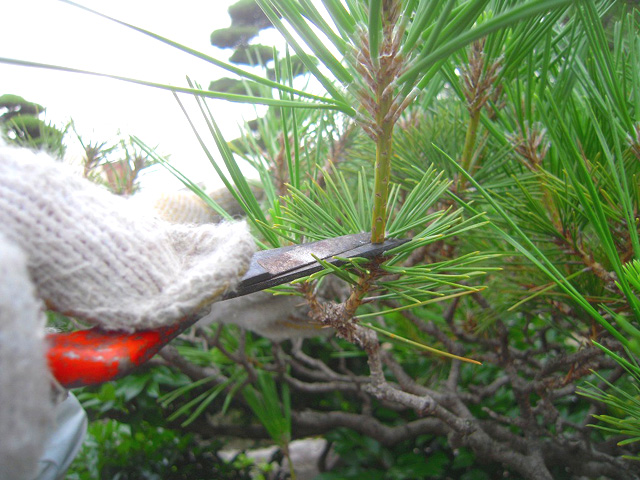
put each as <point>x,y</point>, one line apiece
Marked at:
<point>50,31</point>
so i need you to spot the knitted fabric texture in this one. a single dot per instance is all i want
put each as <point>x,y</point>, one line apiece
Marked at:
<point>26,408</point>
<point>183,207</point>
<point>187,207</point>
<point>92,255</point>
<point>277,317</point>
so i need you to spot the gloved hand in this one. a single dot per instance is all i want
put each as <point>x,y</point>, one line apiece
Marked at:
<point>277,317</point>
<point>73,246</point>
<point>91,255</point>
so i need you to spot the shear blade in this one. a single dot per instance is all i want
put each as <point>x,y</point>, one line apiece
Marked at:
<point>269,268</point>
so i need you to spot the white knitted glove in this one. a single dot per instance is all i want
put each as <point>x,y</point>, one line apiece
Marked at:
<point>90,254</point>
<point>276,317</point>
<point>180,207</point>
<point>186,207</point>
<point>93,256</point>
<point>26,409</point>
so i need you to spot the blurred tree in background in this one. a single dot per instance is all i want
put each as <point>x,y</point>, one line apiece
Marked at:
<point>116,166</point>
<point>20,125</point>
<point>247,20</point>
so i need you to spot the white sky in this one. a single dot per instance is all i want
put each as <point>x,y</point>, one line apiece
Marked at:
<point>49,31</point>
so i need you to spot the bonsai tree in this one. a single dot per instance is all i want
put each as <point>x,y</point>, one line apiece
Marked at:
<point>20,125</point>
<point>116,166</point>
<point>501,138</point>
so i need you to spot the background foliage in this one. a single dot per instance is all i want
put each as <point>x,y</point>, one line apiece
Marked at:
<point>502,137</point>
<point>20,125</point>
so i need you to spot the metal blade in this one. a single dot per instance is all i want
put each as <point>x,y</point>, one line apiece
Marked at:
<point>278,261</point>
<point>273,267</point>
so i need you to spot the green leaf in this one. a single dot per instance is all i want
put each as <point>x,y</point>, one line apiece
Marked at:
<point>325,56</point>
<point>534,255</point>
<point>226,66</point>
<point>503,20</point>
<point>266,405</point>
<point>419,345</point>
<point>230,97</point>
<point>345,22</point>
<point>375,26</point>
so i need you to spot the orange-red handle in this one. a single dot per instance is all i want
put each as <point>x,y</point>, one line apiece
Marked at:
<point>94,356</point>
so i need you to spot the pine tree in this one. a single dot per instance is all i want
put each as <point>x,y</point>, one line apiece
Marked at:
<point>502,138</point>
<point>20,125</point>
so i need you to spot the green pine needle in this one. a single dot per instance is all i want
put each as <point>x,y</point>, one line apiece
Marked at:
<point>420,345</point>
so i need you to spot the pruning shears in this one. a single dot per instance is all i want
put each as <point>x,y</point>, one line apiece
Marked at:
<point>95,355</point>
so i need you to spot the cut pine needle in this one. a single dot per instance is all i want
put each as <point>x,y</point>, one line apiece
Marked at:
<point>419,345</point>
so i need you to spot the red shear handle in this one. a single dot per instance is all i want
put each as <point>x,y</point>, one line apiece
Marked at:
<point>94,356</point>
